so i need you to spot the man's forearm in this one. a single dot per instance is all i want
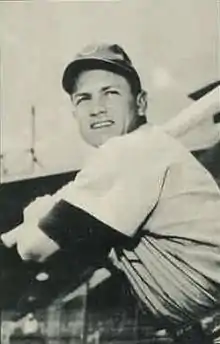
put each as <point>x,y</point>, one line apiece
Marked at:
<point>64,227</point>
<point>74,229</point>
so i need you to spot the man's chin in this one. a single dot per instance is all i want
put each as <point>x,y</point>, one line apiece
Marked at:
<point>100,139</point>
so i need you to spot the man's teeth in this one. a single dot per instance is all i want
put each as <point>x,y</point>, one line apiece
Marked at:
<point>101,124</point>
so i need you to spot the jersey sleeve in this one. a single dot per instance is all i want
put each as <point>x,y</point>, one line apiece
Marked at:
<point>112,195</point>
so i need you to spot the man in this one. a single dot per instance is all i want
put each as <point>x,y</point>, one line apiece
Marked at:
<point>142,198</point>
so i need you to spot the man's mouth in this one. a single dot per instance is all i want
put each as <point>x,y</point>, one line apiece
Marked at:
<point>102,124</point>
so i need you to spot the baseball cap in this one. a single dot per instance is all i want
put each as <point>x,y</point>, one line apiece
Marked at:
<point>102,56</point>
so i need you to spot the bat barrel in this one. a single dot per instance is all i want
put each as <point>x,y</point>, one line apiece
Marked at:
<point>204,108</point>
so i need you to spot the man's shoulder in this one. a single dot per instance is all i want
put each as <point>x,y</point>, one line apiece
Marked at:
<point>155,141</point>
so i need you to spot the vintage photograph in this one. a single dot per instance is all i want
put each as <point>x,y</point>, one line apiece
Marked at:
<point>110,172</point>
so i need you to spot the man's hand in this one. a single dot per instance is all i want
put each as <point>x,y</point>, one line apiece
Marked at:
<point>32,243</point>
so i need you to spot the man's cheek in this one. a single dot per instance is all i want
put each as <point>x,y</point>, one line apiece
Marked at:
<point>85,129</point>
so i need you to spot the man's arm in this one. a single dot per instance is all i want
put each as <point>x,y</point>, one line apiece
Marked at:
<point>73,228</point>
<point>104,205</point>
<point>65,227</point>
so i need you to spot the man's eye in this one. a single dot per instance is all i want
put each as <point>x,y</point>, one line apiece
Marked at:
<point>111,92</point>
<point>81,99</point>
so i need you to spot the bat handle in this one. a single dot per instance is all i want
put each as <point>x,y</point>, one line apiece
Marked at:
<point>9,239</point>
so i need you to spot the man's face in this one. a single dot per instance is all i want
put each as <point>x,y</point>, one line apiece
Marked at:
<point>103,106</point>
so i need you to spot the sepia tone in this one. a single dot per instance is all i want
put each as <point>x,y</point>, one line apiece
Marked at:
<point>175,49</point>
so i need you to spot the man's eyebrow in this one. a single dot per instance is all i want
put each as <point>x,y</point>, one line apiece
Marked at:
<point>106,88</point>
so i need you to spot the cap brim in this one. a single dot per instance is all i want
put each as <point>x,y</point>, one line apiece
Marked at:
<point>76,67</point>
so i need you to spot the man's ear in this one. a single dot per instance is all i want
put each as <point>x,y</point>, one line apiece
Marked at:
<point>141,101</point>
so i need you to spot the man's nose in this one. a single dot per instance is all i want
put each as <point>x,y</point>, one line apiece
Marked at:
<point>97,107</point>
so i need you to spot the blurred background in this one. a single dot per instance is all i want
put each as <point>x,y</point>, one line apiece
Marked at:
<point>174,45</point>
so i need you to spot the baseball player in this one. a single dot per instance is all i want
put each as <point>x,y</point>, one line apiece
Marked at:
<point>142,198</point>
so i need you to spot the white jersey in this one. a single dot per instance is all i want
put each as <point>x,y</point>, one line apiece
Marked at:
<point>147,186</point>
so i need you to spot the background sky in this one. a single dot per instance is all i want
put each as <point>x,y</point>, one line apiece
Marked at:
<point>173,44</point>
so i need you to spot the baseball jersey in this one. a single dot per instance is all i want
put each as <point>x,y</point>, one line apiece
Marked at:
<point>148,187</point>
